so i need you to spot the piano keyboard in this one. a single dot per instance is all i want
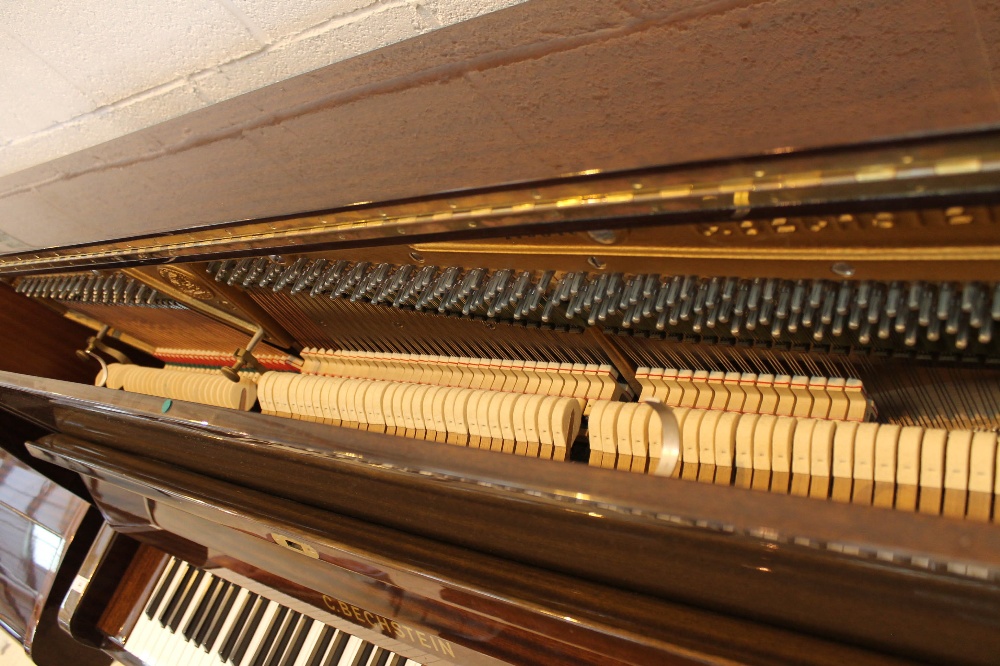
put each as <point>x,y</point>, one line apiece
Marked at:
<point>197,619</point>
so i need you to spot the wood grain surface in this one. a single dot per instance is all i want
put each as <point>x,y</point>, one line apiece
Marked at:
<point>535,91</point>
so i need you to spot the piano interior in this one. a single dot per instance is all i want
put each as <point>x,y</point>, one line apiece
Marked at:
<point>763,389</point>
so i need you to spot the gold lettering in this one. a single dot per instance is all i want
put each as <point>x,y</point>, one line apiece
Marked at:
<point>384,624</point>
<point>396,629</point>
<point>345,609</point>
<point>446,647</point>
<point>409,632</point>
<point>330,601</point>
<point>421,636</point>
<point>370,618</point>
<point>357,613</point>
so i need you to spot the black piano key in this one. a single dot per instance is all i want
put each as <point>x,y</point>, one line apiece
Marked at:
<point>248,632</point>
<point>220,617</point>
<point>270,636</point>
<point>161,591</point>
<point>281,647</point>
<point>325,636</point>
<point>337,649</point>
<point>185,601</point>
<point>236,630</point>
<point>363,655</point>
<point>398,660</point>
<point>175,599</point>
<point>381,657</point>
<point>301,633</point>
<point>213,616</point>
<point>201,612</point>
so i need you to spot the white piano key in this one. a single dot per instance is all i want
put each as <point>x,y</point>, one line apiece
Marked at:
<point>364,654</point>
<point>283,641</point>
<point>205,657</point>
<point>258,635</point>
<point>163,634</point>
<point>145,627</point>
<point>240,630</point>
<point>354,645</point>
<point>215,614</point>
<point>299,641</point>
<point>380,657</point>
<point>185,652</point>
<point>227,624</point>
<point>181,651</point>
<point>273,634</point>
<point>203,610</point>
<point>318,655</point>
<point>310,643</point>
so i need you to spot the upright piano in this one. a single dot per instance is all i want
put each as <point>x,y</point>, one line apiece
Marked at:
<point>762,379</point>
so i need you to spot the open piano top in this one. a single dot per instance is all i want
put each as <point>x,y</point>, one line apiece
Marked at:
<point>821,320</point>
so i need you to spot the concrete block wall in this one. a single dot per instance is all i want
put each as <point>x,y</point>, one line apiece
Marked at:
<point>74,74</point>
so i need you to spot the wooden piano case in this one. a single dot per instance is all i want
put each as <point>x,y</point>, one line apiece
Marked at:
<point>518,561</point>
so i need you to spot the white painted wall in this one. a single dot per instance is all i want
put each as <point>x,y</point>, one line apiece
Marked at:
<point>76,73</point>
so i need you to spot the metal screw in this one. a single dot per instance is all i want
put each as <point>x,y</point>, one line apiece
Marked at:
<point>603,236</point>
<point>843,269</point>
<point>596,263</point>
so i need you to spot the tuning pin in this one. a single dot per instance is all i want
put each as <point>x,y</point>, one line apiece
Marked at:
<point>650,285</point>
<point>884,328</point>
<point>954,319</point>
<point>875,305</point>
<point>986,332</point>
<point>962,337</point>
<point>865,289</point>
<point>223,269</point>
<point>270,275</point>
<point>837,328</point>
<point>753,297</point>
<point>309,275</point>
<point>698,306</point>
<point>970,294</point>
<point>892,299</point>
<point>239,271</point>
<point>740,304</point>
<point>826,311</point>
<point>910,336</point>
<point>944,301</point>
<point>712,317</point>
<point>865,333</point>
<point>764,315</point>
<point>698,323</point>
<point>900,325</point>
<point>684,310</point>
<point>257,269</point>
<point>933,333</point>
<point>793,322</point>
<point>725,311</point>
<point>289,274</point>
<point>776,328</point>
<point>734,325</point>
<point>816,293</point>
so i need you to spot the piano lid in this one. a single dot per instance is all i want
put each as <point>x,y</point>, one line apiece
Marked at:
<point>537,91</point>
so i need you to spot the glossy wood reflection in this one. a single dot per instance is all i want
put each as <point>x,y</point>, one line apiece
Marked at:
<point>37,522</point>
